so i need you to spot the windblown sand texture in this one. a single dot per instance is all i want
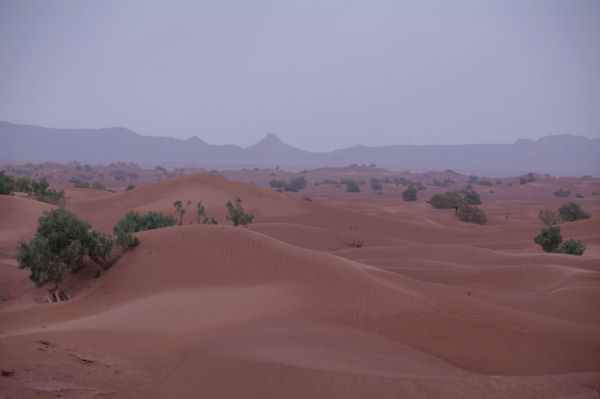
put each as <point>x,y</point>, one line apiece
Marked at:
<point>429,307</point>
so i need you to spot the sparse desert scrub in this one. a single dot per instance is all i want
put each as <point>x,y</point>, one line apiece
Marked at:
<point>352,186</point>
<point>549,217</point>
<point>237,215</point>
<point>562,193</point>
<point>550,239</point>
<point>572,211</point>
<point>410,194</point>
<point>450,200</point>
<point>134,222</point>
<point>470,214</point>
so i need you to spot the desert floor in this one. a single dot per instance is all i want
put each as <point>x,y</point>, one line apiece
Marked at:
<point>428,307</point>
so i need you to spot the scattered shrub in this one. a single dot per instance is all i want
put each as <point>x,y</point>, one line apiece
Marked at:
<point>62,243</point>
<point>352,186</point>
<point>549,217</point>
<point>562,193</point>
<point>201,216</point>
<point>98,186</point>
<point>578,195</point>
<point>470,214</point>
<point>450,200</point>
<point>7,184</point>
<point>274,183</point>
<point>486,183</point>
<point>130,187</point>
<point>237,214</point>
<point>296,184</point>
<point>472,197</point>
<point>498,183</point>
<point>375,185</point>
<point>549,238</point>
<point>133,222</point>
<point>571,211</point>
<point>410,194</point>
<point>572,247</point>
<point>180,210</point>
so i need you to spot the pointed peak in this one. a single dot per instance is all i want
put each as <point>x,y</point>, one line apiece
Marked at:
<point>271,138</point>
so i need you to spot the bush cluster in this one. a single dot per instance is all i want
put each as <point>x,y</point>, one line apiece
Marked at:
<point>550,239</point>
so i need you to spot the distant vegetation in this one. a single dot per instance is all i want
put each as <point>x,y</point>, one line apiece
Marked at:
<point>130,187</point>
<point>352,186</point>
<point>549,217</point>
<point>562,193</point>
<point>550,239</point>
<point>375,184</point>
<point>571,211</point>
<point>464,211</point>
<point>527,178</point>
<point>39,189</point>
<point>294,185</point>
<point>410,194</point>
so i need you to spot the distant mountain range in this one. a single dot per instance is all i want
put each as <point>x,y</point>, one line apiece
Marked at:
<point>560,155</point>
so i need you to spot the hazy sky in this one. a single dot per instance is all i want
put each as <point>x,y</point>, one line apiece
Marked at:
<point>319,74</point>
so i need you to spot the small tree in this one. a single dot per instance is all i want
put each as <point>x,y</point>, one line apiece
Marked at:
<point>549,217</point>
<point>180,210</point>
<point>7,184</point>
<point>237,214</point>
<point>352,186</point>
<point>130,187</point>
<point>549,238</point>
<point>470,214</point>
<point>472,197</point>
<point>562,193</point>
<point>375,184</point>
<point>571,211</point>
<point>62,243</point>
<point>572,247</point>
<point>296,184</point>
<point>410,194</point>
<point>450,200</point>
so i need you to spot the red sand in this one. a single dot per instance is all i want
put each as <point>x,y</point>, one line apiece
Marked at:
<point>429,307</point>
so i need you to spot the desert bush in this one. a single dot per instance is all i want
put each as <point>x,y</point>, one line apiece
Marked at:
<point>237,214</point>
<point>201,216</point>
<point>275,183</point>
<point>485,183</point>
<point>498,183</point>
<point>352,186</point>
<point>410,194</point>
<point>562,193</point>
<point>134,222</point>
<point>130,187</point>
<point>595,193</point>
<point>472,197</point>
<point>24,185</point>
<point>571,211</point>
<point>62,243</point>
<point>451,171</point>
<point>549,217</point>
<point>549,238</point>
<point>7,184</point>
<point>98,186</point>
<point>450,200</point>
<point>180,210</point>
<point>578,195</point>
<point>375,185</point>
<point>473,179</point>
<point>307,199</point>
<point>296,184</point>
<point>572,247</point>
<point>470,214</point>
<point>401,180</point>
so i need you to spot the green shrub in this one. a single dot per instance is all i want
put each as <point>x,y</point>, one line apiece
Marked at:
<point>7,184</point>
<point>549,238</point>
<point>130,187</point>
<point>562,193</point>
<point>450,200</point>
<point>98,186</point>
<point>572,247</point>
<point>472,197</point>
<point>180,210</point>
<point>274,183</point>
<point>375,185</point>
<point>352,186</point>
<point>410,194</point>
<point>296,184</point>
<point>571,211</point>
<point>62,243</point>
<point>470,214</point>
<point>201,216</point>
<point>133,222</point>
<point>237,214</point>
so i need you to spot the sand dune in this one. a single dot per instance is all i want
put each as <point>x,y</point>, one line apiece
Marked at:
<point>429,307</point>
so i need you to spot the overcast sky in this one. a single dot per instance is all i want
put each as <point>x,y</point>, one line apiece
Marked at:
<point>319,74</point>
